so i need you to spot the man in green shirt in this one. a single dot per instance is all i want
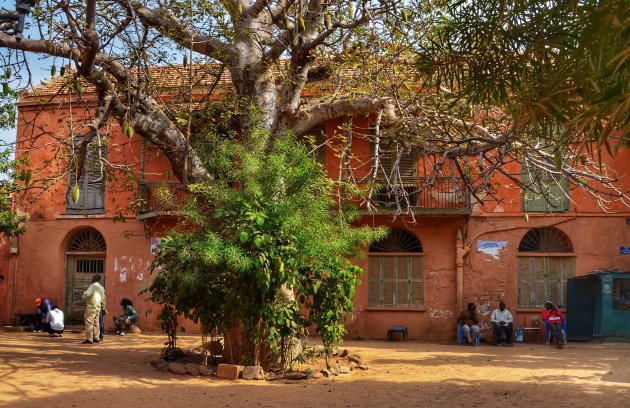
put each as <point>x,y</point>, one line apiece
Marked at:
<point>95,298</point>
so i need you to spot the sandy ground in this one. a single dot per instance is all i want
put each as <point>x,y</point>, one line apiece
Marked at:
<point>38,371</point>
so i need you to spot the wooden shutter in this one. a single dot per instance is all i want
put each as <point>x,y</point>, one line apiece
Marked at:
<point>374,281</point>
<point>525,282</point>
<point>567,271</point>
<point>403,280</point>
<point>540,281</point>
<point>389,278</point>
<point>417,282</point>
<point>557,191</point>
<point>91,185</point>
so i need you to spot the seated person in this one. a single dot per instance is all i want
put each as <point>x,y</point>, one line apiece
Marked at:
<point>469,319</point>
<point>42,307</point>
<point>554,318</point>
<point>54,322</point>
<point>502,320</point>
<point>129,317</point>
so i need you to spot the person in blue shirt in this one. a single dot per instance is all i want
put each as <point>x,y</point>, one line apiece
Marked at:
<point>129,317</point>
<point>42,307</point>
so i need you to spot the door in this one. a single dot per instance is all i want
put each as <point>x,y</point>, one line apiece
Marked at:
<point>80,270</point>
<point>580,309</point>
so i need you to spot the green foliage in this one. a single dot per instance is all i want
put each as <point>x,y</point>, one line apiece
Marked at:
<point>270,235</point>
<point>548,63</point>
<point>11,224</point>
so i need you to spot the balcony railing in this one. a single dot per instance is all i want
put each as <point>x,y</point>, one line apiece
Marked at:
<point>153,202</point>
<point>441,195</point>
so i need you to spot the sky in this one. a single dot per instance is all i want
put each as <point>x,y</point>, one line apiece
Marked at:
<point>40,70</point>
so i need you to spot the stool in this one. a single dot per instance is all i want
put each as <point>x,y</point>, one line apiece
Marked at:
<point>397,329</point>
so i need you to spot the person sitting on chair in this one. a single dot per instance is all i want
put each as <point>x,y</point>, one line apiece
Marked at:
<point>501,320</point>
<point>554,318</point>
<point>469,319</point>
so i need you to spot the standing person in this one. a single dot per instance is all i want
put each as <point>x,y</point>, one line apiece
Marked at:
<point>54,319</point>
<point>95,299</point>
<point>553,318</point>
<point>129,317</point>
<point>502,320</point>
<point>101,322</point>
<point>469,320</point>
<point>42,307</point>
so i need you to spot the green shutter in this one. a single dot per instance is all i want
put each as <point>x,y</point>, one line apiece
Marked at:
<point>374,281</point>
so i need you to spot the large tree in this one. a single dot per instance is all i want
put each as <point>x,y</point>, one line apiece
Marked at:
<point>472,85</point>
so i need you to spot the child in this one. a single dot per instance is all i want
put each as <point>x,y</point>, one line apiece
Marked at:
<point>128,317</point>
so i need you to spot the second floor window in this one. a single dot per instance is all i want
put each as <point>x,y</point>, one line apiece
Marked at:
<point>547,193</point>
<point>91,182</point>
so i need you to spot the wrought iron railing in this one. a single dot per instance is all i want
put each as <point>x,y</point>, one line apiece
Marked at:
<point>423,194</point>
<point>151,200</point>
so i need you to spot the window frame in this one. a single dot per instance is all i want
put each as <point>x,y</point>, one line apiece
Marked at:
<point>413,285</point>
<point>87,189</point>
<point>560,195</point>
<point>533,283</point>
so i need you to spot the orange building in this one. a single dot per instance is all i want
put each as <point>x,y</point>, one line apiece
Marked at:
<point>520,250</point>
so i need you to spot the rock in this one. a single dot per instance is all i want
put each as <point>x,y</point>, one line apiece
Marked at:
<point>334,370</point>
<point>163,366</point>
<point>343,369</point>
<point>326,373</point>
<point>204,370</point>
<point>355,359</point>
<point>317,375</point>
<point>344,353</point>
<point>353,366</point>
<point>156,362</point>
<point>133,329</point>
<point>296,375</point>
<point>177,368</point>
<point>192,369</point>
<point>229,371</point>
<point>273,376</point>
<point>253,373</point>
<point>363,366</point>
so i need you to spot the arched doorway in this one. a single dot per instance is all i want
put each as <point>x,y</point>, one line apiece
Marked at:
<point>545,261</point>
<point>85,257</point>
<point>395,271</point>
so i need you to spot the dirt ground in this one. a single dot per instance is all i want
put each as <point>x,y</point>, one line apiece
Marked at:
<point>38,371</point>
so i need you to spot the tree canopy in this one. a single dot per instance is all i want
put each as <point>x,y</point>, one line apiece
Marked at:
<point>471,85</point>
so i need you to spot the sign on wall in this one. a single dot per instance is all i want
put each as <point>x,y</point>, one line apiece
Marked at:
<point>624,250</point>
<point>491,248</point>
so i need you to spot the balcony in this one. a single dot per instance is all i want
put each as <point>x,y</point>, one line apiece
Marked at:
<point>424,195</point>
<point>154,201</point>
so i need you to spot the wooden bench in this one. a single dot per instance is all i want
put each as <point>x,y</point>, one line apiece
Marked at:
<point>24,319</point>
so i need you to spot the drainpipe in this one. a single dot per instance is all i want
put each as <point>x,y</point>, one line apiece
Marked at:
<point>460,252</point>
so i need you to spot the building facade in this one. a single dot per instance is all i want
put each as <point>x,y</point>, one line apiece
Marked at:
<point>442,254</point>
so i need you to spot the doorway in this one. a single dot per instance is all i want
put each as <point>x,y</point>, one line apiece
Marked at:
<point>85,257</point>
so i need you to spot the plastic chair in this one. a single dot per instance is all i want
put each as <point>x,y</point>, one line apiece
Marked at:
<point>461,334</point>
<point>548,332</point>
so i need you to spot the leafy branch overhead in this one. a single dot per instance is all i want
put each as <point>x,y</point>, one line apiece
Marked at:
<point>470,86</point>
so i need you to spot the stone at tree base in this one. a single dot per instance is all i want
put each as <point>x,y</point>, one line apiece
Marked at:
<point>344,353</point>
<point>253,373</point>
<point>133,329</point>
<point>334,370</point>
<point>343,369</point>
<point>192,369</point>
<point>177,368</point>
<point>229,371</point>
<point>272,376</point>
<point>204,370</point>
<point>363,366</point>
<point>317,375</point>
<point>296,375</point>
<point>326,373</point>
<point>355,359</point>
<point>353,366</point>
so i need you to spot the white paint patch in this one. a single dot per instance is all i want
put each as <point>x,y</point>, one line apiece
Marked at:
<point>492,248</point>
<point>140,276</point>
<point>440,314</point>
<point>128,267</point>
<point>123,275</point>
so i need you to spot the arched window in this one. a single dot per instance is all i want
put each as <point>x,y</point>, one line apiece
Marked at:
<point>88,240</point>
<point>395,271</point>
<point>545,262</point>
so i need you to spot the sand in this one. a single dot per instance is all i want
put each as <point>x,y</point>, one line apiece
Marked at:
<point>38,371</point>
